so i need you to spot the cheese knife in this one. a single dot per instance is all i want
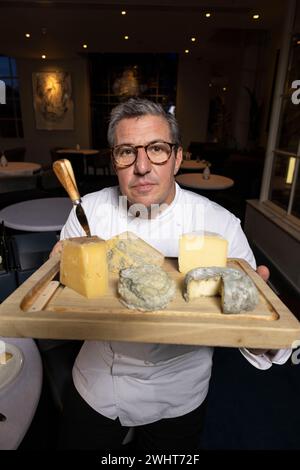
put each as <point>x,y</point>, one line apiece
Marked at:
<point>64,172</point>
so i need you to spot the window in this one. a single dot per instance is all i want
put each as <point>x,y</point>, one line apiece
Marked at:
<point>10,113</point>
<point>285,181</point>
<point>116,77</point>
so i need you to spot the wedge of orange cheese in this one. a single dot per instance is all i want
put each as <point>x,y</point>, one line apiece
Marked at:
<point>83,266</point>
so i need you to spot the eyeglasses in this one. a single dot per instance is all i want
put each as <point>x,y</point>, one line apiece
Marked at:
<point>158,153</point>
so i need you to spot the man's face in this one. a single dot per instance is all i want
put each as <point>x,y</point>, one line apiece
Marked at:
<point>144,182</point>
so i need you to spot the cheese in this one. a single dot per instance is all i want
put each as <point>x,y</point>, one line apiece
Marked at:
<point>128,250</point>
<point>84,266</point>
<point>201,249</point>
<point>238,292</point>
<point>146,287</point>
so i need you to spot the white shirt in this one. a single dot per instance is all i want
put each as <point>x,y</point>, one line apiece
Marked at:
<point>142,383</point>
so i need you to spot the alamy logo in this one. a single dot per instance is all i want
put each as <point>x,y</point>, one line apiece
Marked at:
<point>296,354</point>
<point>2,352</point>
<point>296,94</point>
<point>2,92</point>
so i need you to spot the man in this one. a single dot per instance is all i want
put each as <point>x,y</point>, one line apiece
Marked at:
<point>158,389</point>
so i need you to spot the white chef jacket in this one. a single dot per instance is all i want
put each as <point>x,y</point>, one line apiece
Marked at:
<point>142,383</point>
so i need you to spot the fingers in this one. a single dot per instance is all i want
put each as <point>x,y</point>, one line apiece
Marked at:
<point>56,249</point>
<point>263,272</point>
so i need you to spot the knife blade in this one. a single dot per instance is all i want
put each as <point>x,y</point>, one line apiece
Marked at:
<point>64,172</point>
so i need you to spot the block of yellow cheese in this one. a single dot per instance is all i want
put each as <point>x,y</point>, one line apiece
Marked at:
<point>83,266</point>
<point>128,250</point>
<point>201,249</point>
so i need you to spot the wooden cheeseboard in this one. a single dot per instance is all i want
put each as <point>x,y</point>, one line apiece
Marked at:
<point>43,308</point>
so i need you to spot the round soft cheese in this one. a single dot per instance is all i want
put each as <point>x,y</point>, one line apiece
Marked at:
<point>146,287</point>
<point>237,290</point>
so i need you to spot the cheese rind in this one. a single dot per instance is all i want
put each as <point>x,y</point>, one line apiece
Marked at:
<point>201,249</point>
<point>146,288</point>
<point>238,292</point>
<point>83,266</point>
<point>128,250</point>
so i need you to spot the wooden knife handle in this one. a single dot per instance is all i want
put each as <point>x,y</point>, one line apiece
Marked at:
<point>46,272</point>
<point>64,172</point>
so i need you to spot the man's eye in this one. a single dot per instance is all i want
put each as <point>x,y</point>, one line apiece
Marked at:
<point>155,148</point>
<point>124,152</point>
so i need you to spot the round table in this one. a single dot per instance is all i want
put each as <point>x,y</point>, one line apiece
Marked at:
<point>193,165</point>
<point>84,152</point>
<point>19,398</point>
<point>38,215</point>
<point>19,169</point>
<point>196,181</point>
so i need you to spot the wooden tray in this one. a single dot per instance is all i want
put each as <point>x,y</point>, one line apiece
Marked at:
<point>59,312</point>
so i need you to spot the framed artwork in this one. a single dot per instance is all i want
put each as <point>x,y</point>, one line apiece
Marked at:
<point>52,100</point>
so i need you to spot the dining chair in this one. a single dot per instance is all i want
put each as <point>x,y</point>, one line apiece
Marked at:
<point>101,161</point>
<point>30,251</point>
<point>16,154</point>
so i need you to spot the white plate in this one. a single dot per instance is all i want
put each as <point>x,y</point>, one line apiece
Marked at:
<point>10,370</point>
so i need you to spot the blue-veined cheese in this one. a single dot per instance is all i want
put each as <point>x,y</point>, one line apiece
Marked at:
<point>237,290</point>
<point>128,250</point>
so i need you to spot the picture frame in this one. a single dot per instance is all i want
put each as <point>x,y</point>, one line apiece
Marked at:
<point>52,100</point>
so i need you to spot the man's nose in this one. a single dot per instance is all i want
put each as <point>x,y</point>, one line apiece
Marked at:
<point>142,164</point>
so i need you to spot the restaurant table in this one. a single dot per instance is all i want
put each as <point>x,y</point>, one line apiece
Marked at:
<point>193,165</point>
<point>19,169</point>
<point>20,389</point>
<point>196,181</point>
<point>38,215</point>
<point>85,152</point>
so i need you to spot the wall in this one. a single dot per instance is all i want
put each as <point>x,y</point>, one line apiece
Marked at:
<point>274,241</point>
<point>38,142</point>
<point>192,103</point>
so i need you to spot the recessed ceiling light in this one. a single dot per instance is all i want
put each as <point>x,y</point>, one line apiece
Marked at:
<point>44,56</point>
<point>186,51</point>
<point>193,39</point>
<point>123,12</point>
<point>224,88</point>
<point>126,37</point>
<point>210,85</point>
<point>84,46</point>
<point>27,35</point>
<point>208,15</point>
<point>256,17</point>
<point>298,42</point>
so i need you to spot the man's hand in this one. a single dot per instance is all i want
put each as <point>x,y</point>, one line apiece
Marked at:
<point>56,249</point>
<point>264,273</point>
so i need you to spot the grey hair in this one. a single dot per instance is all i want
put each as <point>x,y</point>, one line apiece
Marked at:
<point>138,107</point>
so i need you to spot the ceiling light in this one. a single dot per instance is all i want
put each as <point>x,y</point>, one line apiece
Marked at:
<point>44,56</point>
<point>210,85</point>
<point>298,42</point>
<point>84,46</point>
<point>224,88</point>
<point>126,37</point>
<point>193,39</point>
<point>255,17</point>
<point>186,51</point>
<point>208,15</point>
<point>123,12</point>
<point>27,35</point>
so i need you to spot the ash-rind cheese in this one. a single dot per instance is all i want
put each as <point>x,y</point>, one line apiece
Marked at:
<point>238,292</point>
<point>146,288</point>
<point>83,266</point>
<point>201,249</point>
<point>128,250</point>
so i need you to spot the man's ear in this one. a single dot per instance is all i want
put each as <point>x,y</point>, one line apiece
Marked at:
<point>178,160</point>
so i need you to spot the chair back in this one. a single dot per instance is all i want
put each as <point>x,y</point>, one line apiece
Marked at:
<point>15,155</point>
